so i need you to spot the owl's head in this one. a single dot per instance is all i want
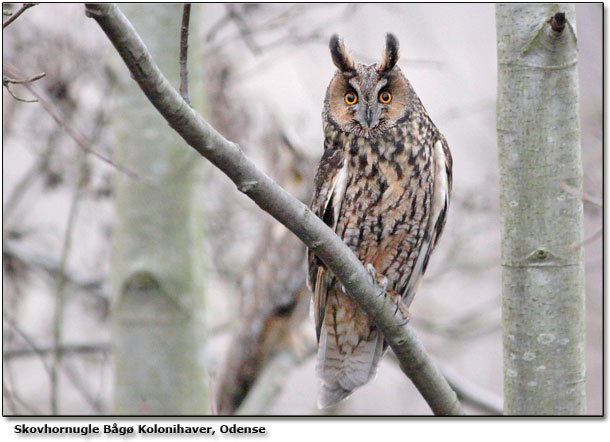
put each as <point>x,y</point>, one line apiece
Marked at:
<point>367,99</point>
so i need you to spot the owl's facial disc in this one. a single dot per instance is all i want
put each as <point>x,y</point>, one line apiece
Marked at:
<point>366,99</point>
<point>369,110</point>
<point>368,115</point>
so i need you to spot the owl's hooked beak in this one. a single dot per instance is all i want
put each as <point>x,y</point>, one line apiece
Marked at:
<point>369,116</point>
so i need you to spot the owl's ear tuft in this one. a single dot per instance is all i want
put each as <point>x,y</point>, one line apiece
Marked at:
<point>391,53</point>
<point>340,55</point>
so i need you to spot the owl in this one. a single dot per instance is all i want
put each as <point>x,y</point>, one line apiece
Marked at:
<point>383,186</point>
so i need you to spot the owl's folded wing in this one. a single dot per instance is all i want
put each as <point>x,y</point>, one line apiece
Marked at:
<point>325,204</point>
<point>443,164</point>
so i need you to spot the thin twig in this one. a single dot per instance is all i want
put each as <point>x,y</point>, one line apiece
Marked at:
<point>23,81</point>
<point>6,81</point>
<point>16,15</point>
<point>51,266</point>
<point>16,196</point>
<point>13,323</point>
<point>184,46</point>
<point>216,27</point>
<point>82,386</point>
<point>7,395</point>
<point>23,100</point>
<point>15,398</point>
<point>64,349</point>
<point>8,376</point>
<point>271,24</point>
<point>27,179</point>
<point>61,284</point>
<point>249,179</point>
<point>469,392</point>
<point>244,30</point>
<point>473,394</point>
<point>272,381</point>
<point>80,140</point>
<point>589,238</point>
<point>585,196</point>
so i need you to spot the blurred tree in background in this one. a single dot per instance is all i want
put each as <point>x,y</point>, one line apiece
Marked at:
<point>158,267</point>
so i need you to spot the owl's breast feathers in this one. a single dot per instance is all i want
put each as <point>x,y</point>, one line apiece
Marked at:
<point>386,196</point>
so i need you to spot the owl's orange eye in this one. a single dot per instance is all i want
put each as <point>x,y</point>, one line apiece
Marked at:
<point>385,97</point>
<point>351,98</point>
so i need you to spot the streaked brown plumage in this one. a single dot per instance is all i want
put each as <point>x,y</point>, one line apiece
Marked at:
<point>383,185</point>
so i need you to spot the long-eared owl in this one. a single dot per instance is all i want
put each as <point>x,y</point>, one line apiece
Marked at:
<point>383,185</point>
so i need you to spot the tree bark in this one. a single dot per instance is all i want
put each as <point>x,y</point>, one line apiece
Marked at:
<point>543,308</point>
<point>157,264</point>
<point>310,229</point>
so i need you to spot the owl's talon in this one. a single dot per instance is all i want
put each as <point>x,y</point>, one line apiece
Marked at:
<point>404,312</point>
<point>384,281</point>
<point>372,273</point>
<point>400,306</point>
<point>384,291</point>
<point>384,285</point>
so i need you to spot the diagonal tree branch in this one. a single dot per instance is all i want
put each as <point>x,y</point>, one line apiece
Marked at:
<point>273,199</point>
<point>16,15</point>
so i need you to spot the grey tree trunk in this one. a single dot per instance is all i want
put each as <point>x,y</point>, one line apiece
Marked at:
<point>543,304</point>
<point>157,264</point>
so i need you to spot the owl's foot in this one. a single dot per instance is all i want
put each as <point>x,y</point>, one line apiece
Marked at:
<point>384,280</point>
<point>372,273</point>
<point>404,310</point>
<point>396,298</point>
<point>400,306</point>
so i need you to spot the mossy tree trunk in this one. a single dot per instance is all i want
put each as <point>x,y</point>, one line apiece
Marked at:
<point>543,312</point>
<point>157,264</point>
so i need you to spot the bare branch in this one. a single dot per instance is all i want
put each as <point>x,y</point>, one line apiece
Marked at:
<point>585,196</point>
<point>216,27</point>
<point>82,387</point>
<point>16,15</point>
<point>56,114</point>
<point>65,349</point>
<point>274,298</point>
<point>273,309</point>
<point>271,381</point>
<point>229,157</point>
<point>6,80</point>
<point>589,238</point>
<point>13,399</point>
<point>23,100</point>
<point>39,168</point>
<point>184,46</point>
<point>70,371</point>
<point>26,338</point>
<point>473,394</point>
<point>469,392</point>
<point>51,265</point>
<point>58,316</point>
<point>244,30</point>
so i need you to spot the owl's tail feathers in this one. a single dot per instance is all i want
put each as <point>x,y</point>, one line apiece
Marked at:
<point>342,372</point>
